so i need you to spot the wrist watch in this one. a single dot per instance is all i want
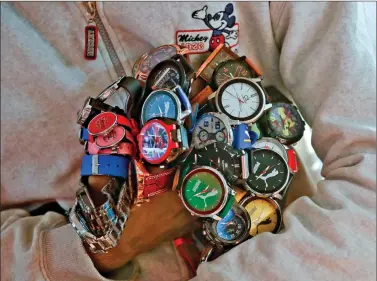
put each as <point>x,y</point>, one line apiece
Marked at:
<point>241,99</point>
<point>148,61</point>
<point>205,193</point>
<point>230,230</point>
<point>165,103</point>
<point>222,65</point>
<point>269,173</point>
<point>265,214</point>
<point>162,141</point>
<point>105,122</point>
<point>93,107</point>
<point>283,122</point>
<point>100,227</point>
<point>170,73</point>
<point>286,152</point>
<point>231,162</point>
<point>145,185</point>
<point>110,165</point>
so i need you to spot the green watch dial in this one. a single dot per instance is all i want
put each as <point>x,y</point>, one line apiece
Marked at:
<point>268,171</point>
<point>203,191</point>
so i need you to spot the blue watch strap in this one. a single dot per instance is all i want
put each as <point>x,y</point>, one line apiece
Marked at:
<point>84,135</point>
<point>243,137</point>
<point>110,165</point>
<point>184,137</point>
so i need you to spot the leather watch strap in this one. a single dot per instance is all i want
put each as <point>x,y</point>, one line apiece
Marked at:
<point>202,96</point>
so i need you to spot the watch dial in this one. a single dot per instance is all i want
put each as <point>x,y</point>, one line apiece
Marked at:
<point>160,103</point>
<point>268,171</point>
<point>221,56</point>
<point>154,142</point>
<point>240,100</point>
<point>264,215</point>
<point>209,129</point>
<point>102,123</point>
<point>223,158</point>
<point>112,138</point>
<point>203,191</point>
<point>286,121</point>
<point>166,74</point>
<point>232,69</point>
<point>231,228</point>
<point>158,55</point>
<point>273,145</point>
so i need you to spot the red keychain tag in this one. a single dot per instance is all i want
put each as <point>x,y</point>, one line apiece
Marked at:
<point>91,42</point>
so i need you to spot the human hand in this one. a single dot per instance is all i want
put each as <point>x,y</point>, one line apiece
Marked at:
<point>162,219</point>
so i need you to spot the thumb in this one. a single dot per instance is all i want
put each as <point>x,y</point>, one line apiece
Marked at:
<point>205,8</point>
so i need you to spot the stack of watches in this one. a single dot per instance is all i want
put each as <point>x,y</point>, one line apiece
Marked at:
<point>108,135</point>
<point>226,148</point>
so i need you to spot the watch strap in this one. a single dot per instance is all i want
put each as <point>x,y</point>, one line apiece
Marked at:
<point>122,148</point>
<point>253,66</point>
<point>274,95</point>
<point>110,165</point>
<point>157,183</point>
<point>244,138</point>
<point>227,207</point>
<point>292,160</point>
<point>202,96</point>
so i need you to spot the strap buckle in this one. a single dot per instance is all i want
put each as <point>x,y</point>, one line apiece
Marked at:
<point>95,165</point>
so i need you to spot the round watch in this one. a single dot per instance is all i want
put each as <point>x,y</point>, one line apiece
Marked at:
<point>230,230</point>
<point>230,69</point>
<point>105,122</point>
<point>148,61</point>
<point>272,144</point>
<point>162,141</point>
<point>269,172</point>
<point>232,163</point>
<point>165,103</point>
<point>241,99</point>
<point>283,122</point>
<point>204,193</point>
<point>265,214</point>
<point>211,128</point>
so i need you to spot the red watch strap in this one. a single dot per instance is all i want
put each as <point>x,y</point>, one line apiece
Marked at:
<point>179,244</point>
<point>158,183</point>
<point>292,160</point>
<point>131,124</point>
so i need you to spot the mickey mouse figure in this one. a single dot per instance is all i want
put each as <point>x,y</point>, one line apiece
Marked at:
<point>219,23</point>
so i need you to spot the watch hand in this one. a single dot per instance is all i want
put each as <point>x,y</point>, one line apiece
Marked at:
<point>162,76</point>
<point>159,108</point>
<point>263,172</point>
<point>203,191</point>
<point>166,108</point>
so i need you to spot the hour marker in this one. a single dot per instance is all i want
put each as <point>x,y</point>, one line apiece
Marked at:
<point>279,164</point>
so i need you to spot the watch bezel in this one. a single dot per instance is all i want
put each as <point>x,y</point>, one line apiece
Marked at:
<point>171,143</point>
<point>224,196</point>
<point>109,128</point>
<point>262,98</point>
<point>276,142</point>
<point>178,104</point>
<point>248,199</point>
<point>267,194</point>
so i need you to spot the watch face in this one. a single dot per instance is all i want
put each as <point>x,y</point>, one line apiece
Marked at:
<point>203,191</point>
<point>102,123</point>
<point>223,158</point>
<point>240,99</point>
<point>167,74</point>
<point>160,103</point>
<point>210,129</point>
<point>231,228</point>
<point>231,69</point>
<point>285,120</point>
<point>264,215</point>
<point>221,56</point>
<point>268,171</point>
<point>112,138</point>
<point>156,56</point>
<point>154,142</point>
<point>272,144</point>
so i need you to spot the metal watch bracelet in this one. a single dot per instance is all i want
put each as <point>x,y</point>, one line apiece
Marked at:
<point>111,229</point>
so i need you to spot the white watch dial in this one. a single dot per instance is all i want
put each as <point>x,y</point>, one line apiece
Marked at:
<point>240,100</point>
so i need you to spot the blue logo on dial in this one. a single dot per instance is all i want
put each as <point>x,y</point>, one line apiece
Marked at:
<point>159,104</point>
<point>231,227</point>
